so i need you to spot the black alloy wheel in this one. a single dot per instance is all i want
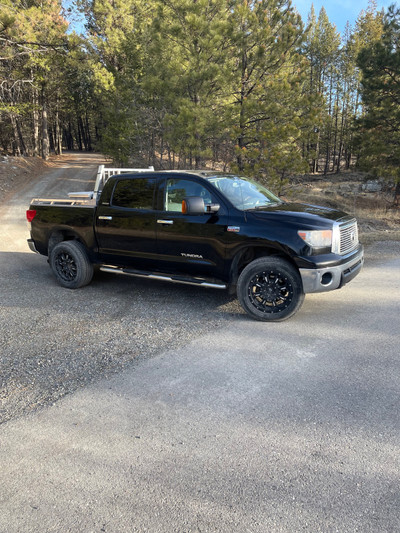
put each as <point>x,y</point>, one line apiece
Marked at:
<point>270,289</point>
<point>70,264</point>
<point>65,266</point>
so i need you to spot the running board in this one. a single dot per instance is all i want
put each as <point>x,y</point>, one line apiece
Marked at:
<point>199,282</point>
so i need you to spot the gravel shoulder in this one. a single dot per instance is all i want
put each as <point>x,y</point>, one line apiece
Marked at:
<point>54,341</point>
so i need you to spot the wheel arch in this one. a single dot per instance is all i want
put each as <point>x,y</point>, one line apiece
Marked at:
<point>64,234</point>
<point>248,254</point>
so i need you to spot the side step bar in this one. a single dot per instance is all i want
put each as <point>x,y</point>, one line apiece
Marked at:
<point>199,282</point>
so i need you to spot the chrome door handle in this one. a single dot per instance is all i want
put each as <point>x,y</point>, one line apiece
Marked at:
<point>168,222</point>
<point>103,217</point>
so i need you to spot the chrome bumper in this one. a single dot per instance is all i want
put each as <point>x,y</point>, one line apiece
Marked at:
<point>331,278</point>
<point>32,246</point>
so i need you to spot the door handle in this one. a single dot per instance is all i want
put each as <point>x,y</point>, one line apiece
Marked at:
<point>103,217</point>
<point>167,222</point>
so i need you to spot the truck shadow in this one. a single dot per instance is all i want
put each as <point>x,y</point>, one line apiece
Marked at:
<point>27,276</point>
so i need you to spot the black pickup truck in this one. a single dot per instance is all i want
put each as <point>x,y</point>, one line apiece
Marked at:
<point>201,228</point>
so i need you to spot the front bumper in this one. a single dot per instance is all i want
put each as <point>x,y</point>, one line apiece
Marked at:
<point>331,278</point>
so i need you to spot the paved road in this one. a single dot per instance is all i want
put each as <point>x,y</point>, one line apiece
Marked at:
<point>248,427</point>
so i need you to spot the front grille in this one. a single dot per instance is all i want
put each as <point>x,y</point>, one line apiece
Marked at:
<point>348,237</point>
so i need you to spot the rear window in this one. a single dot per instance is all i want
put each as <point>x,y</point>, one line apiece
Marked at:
<point>136,193</point>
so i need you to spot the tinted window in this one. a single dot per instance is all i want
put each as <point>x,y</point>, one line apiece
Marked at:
<point>134,193</point>
<point>178,189</point>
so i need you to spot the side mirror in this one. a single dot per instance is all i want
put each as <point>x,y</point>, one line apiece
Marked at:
<point>194,205</point>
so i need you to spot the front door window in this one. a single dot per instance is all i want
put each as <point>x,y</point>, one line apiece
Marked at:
<point>178,189</point>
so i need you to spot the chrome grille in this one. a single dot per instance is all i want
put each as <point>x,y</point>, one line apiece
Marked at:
<point>348,237</point>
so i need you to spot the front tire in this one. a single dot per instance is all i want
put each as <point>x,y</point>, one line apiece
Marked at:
<point>270,289</point>
<point>71,265</point>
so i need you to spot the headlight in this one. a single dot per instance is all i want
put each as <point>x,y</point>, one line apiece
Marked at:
<point>317,238</point>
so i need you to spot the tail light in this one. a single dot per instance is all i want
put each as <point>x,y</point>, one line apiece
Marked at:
<point>30,214</point>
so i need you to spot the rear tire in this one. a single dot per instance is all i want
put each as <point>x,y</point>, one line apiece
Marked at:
<point>270,289</point>
<point>71,265</point>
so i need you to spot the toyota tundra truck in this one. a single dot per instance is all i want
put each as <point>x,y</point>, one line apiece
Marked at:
<point>203,228</point>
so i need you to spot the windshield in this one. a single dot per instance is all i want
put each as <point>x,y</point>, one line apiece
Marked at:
<point>243,192</point>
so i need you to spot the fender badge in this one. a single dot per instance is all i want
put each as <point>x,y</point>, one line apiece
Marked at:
<point>233,229</point>
<point>192,256</point>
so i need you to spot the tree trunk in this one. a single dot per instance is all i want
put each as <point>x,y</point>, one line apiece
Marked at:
<point>344,111</point>
<point>21,138</point>
<point>89,137</point>
<point>70,137</point>
<point>316,160</point>
<point>335,137</point>
<point>162,151</point>
<point>78,138</point>
<point>35,102</point>
<point>242,118</point>
<point>397,194</point>
<point>16,148</point>
<point>58,138</point>
<point>82,132</point>
<point>45,131</point>
<point>329,129</point>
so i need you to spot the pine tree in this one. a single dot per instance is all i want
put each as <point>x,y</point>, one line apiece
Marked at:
<point>380,124</point>
<point>32,38</point>
<point>114,32</point>
<point>267,109</point>
<point>323,50</point>
<point>187,74</point>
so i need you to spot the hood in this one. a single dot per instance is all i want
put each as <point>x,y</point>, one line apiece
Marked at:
<point>300,214</point>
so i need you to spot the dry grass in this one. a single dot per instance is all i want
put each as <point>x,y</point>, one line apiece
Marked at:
<point>377,217</point>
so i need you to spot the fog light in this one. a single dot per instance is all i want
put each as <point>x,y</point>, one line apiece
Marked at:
<point>326,278</point>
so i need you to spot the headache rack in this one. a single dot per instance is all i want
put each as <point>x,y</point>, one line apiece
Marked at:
<point>104,173</point>
<point>89,198</point>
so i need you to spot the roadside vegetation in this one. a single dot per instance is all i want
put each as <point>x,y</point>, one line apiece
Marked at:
<point>233,85</point>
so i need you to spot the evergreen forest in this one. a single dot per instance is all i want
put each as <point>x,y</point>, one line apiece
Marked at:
<point>241,85</point>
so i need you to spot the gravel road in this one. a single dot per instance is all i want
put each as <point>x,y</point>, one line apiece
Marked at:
<point>218,422</point>
<point>53,341</point>
<point>253,428</point>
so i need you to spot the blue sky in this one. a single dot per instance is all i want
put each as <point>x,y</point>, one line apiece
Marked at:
<point>338,11</point>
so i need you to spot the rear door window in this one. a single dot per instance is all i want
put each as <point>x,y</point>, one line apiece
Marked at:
<point>136,193</point>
